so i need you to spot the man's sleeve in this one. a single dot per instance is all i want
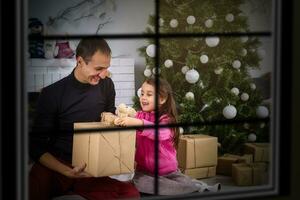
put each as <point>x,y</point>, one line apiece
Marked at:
<point>41,136</point>
<point>111,95</point>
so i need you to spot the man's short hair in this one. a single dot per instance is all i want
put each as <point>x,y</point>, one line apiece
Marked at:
<point>87,47</point>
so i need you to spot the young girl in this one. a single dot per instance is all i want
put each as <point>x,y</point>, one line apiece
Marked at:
<point>170,180</point>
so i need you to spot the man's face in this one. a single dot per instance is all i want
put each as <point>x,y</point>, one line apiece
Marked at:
<point>94,70</point>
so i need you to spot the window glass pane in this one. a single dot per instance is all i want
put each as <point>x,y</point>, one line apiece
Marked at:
<point>58,60</point>
<point>204,16</point>
<point>238,156</point>
<point>84,17</point>
<point>218,78</point>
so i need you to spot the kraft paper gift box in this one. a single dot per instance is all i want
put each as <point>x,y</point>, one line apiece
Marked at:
<point>200,172</point>
<point>249,174</point>
<point>260,151</point>
<point>225,162</point>
<point>196,151</point>
<point>106,153</point>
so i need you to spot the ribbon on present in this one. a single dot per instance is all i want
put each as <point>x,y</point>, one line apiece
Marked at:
<point>117,155</point>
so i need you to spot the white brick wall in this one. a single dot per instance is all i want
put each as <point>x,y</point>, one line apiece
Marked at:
<point>43,72</point>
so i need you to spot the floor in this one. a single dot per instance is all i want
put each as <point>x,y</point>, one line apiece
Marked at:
<point>227,185</point>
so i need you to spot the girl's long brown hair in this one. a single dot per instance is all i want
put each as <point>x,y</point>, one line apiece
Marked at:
<point>169,107</point>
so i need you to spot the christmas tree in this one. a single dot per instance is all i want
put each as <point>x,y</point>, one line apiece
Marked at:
<point>210,74</point>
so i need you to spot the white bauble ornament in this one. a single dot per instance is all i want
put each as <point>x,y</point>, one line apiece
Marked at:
<point>236,64</point>
<point>244,52</point>
<point>168,63</point>
<point>218,100</point>
<point>218,71</point>
<point>147,73</point>
<point>150,50</point>
<point>192,76</point>
<point>209,23</point>
<point>261,53</point>
<point>139,92</point>
<point>229,17</point>
<point>154,70</point>
<point>174,23</point>
<point>204,59</point>
<point>262,112</point>
<point>244,97</point>
<point>190,19</point>
<point>244,39</point>
<point>161,21</point>
<point>235,91</point>
<point>181,130</point>
<point>229,112</point>
<point>246,126</point>
<point>184,69</point>
<point>251,137</point>
<point>212,41</point>
<point>190,96</point>
<point>252,86</point>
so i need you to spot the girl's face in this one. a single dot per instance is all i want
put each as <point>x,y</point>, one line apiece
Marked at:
<point>147,99</point>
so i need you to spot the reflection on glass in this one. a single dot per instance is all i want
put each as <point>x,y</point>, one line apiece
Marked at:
<point>216,78</point>
<point>85,17</point>
<point>233,155</point>
<point>214,16</point>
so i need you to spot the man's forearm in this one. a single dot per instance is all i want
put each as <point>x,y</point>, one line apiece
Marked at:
<point>51,162</point>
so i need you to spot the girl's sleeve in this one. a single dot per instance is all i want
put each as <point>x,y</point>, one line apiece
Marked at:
<point>164,133</point>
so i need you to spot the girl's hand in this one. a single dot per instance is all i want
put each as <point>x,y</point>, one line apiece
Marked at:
<point>130,121</point>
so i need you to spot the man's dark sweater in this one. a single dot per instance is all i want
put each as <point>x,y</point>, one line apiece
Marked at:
<point>59,106</point>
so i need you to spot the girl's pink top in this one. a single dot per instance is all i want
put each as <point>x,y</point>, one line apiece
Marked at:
<point>145,156</point>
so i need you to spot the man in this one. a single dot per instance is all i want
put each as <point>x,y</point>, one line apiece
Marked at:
<point>80,97</point>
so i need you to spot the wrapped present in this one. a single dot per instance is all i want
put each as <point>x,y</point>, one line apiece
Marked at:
<point>244,174</point>
<point>106,153</point>
<point>200,172</point>
<point>260,151</point>
<point>196,151</point>
<point>225,162</point>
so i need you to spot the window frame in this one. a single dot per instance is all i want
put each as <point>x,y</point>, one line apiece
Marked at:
<point>21,103</point>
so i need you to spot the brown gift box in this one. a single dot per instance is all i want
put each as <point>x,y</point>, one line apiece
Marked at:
<point>225,162</point>
<point>105,152</point>
<point>260,151</point>
<point>200,172</point>
<point>249,174</point>
<point>196,151</point>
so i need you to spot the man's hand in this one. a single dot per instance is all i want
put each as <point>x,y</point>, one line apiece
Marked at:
<point>130,121</point>
<point>51,162</point>
<point>77,172</point>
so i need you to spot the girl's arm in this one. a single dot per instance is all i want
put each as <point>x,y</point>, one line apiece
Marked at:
<point>130,121</point>
<point>164,133</point>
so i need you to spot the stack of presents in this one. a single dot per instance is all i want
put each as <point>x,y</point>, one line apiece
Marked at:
<point>112,152</point>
